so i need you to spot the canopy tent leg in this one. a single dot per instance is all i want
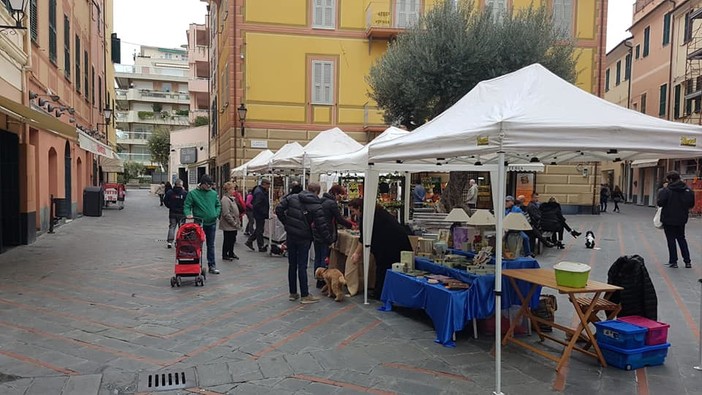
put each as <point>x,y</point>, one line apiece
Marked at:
<point>499,215</point>
<point>406,196</point>
<point>370,191</point>
<point>271,209</point>
<point>699,364</point>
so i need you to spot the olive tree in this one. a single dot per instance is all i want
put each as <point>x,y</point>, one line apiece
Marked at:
<point>160,146</point>
<point>450,49</point>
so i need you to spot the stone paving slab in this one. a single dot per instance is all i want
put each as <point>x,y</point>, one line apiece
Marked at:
<point>95,298</point>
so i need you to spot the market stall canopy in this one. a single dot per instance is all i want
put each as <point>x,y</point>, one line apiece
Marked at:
<point>112,165</point>
<point>532,112</point>
<point>261,159</point>
<point>356,161</point>
<point>288,156</point>
<point>333,141</point>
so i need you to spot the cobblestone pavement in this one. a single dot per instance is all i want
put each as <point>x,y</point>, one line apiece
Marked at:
<point>89,310</point>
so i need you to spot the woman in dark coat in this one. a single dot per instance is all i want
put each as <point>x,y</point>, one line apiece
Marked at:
<point>388,240</point>
<point>552,220</point>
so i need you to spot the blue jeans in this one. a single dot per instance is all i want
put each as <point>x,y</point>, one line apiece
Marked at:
<point>298,254</point>
<point>527,244</point>
<point>210,232</point>
<point>321,252</point>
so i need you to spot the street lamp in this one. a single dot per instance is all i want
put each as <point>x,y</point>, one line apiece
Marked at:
<point>242,117</point>
<point>16,8</point>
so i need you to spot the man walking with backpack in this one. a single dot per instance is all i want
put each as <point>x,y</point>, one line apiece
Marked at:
<point>301,213</point>
<point>261,206</point>
<point>174,200</point>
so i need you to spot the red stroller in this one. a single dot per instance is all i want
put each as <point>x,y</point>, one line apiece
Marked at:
<point>188,249</point>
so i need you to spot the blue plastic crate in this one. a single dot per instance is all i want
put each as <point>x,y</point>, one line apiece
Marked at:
<point>620,334</point>
<point>635,359</point>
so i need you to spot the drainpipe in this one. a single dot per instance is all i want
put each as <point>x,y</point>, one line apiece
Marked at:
<point>629,45</point>
<point>603,6</point>
<point>670,61</point>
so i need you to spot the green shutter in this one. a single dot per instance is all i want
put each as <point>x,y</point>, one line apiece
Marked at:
<point>666,29</point>
<point>663,100</point>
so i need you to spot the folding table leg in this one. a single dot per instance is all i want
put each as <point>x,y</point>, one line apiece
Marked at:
<point>475,328</point>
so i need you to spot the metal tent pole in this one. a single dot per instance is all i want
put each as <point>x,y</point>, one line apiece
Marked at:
<point>499,215</point>
<point>699,364</point>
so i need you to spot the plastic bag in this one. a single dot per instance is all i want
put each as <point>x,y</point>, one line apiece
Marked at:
<point>657,218</point>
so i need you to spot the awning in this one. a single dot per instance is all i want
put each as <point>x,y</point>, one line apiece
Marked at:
<point>37,119</point>
<point>111,165</point>
<point>90,144</point>
<point>526,167</point>
<point>644,163</point>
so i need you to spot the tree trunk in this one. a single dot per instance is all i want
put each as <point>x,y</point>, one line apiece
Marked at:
<point>453,196</point>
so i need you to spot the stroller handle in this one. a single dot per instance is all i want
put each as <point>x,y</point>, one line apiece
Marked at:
<point>196,220</point>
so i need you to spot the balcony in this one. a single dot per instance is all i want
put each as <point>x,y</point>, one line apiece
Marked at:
<point>381,25</point>
<point>197,54</point>
<point>144,159</point>
<point>133,138</point>
<point>147,95</point>
<point>198,85</point>
<point>150,117</point>
<point>199,113</point>
<point>125,73</point>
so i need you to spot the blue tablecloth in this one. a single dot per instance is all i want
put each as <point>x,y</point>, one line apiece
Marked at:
<point>452,310</point>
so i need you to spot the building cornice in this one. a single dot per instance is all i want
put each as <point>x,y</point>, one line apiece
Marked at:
<point>12,52</point>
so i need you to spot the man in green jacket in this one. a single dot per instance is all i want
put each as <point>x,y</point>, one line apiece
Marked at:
<point>204,203</point>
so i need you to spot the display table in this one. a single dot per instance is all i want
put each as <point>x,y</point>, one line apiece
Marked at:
<point>452,310</point>
<point>340,258</point>
<point>547,278</point>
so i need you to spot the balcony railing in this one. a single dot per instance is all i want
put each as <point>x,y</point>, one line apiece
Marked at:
<point>149,95</point>
<point>380,22</point>
<point>141,158</point>
<point>133,69</point>
<point>127,137</point>
<point>150,117</point>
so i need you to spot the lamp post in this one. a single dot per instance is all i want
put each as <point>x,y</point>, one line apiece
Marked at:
<point>17,8</point>
<point>242,110</point>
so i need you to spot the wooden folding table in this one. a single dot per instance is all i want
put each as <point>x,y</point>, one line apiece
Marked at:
<point>547,278</point>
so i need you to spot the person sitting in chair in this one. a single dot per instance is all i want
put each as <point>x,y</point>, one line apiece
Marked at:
<point>552,220</point>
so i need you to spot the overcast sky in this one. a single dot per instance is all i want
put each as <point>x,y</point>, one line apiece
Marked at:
<point>163,23</point>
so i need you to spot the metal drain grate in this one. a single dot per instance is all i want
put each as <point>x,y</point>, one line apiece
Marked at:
<point>166,381</point>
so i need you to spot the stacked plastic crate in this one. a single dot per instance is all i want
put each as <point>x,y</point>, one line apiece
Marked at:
<point>633,342</point>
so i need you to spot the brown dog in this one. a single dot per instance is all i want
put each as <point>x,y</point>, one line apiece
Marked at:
<point>334,280</point>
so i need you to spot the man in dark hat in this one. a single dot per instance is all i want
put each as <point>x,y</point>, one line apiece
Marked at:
<point>203,203</point>
<point>261,206</point>
<point>676,199</point>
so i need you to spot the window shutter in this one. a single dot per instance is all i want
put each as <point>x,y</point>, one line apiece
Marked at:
<point>66,46</point>
<point>34,20</point>
<point>402,13</point>
<point>327,83</point>
<point>329,13</point>
<point>316,82</point>
<point>318,13</point>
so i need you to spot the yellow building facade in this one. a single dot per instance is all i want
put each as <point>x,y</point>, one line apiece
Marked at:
<point>299,66</point>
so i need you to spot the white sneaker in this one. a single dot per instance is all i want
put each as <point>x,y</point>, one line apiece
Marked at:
<point>170,245</point>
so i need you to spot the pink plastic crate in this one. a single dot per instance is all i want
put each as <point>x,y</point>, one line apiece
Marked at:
<point>657,331</point>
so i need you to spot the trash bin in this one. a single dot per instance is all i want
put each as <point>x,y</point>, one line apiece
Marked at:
<point>93,200</point>
<point>62,208</point>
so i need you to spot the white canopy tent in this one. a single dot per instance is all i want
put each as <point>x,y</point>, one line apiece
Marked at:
<point>261,159</point>
<point>333,141</point>
<point>285,158</point>
<point>533,112</point>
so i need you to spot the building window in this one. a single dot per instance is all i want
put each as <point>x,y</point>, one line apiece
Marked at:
<point>687,31</point>
<point>663,100</point>
<point>563,17</point>
<point>100,93</point>
<point>52,31</point>
<point>618,78</point>
<point>77,49</point>
<point>638,51</point>
<point>666,29</point>
<point>688,102</point>
<point>166,87</point>
<point>627,67</point>
<point>676,103</point>
<point>86,75</point>
<point>92,81</point>
<point>322,82</point>
<point>406,13</point>
<point>647,39</point>
<point>607,80</point>
<point>643,103</point>
<point>34,20</point>
<point>324,14</point>
<point>498,9</point>
<point>66,47</point>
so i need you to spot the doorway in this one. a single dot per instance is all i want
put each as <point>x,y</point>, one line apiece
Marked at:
<point>10,229</point>
<point>68,178</point>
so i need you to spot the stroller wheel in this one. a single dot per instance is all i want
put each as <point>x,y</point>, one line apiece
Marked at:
<point>178,281</point>
<point>173,282</point>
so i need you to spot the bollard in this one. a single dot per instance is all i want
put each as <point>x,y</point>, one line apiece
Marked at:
<point>699,364</point>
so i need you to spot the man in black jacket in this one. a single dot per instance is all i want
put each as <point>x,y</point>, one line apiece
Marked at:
<point>261,206</point>
<point>676,200</point>
<point>298,212</point>
<point>333,216</point>
<point>174,200</point>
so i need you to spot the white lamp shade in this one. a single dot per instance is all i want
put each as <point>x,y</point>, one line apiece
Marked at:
<point>481,218</point>
<point>516,221</point>
<point>17,5</point>
<point>457,215</point>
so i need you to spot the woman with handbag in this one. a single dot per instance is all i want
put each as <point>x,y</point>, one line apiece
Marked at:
<point>617,197</point>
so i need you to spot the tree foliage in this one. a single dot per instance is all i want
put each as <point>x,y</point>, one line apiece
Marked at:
<point>132,170</point>
<point>201,121</point>
<point>436,62</point>
<point>160,146</point>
